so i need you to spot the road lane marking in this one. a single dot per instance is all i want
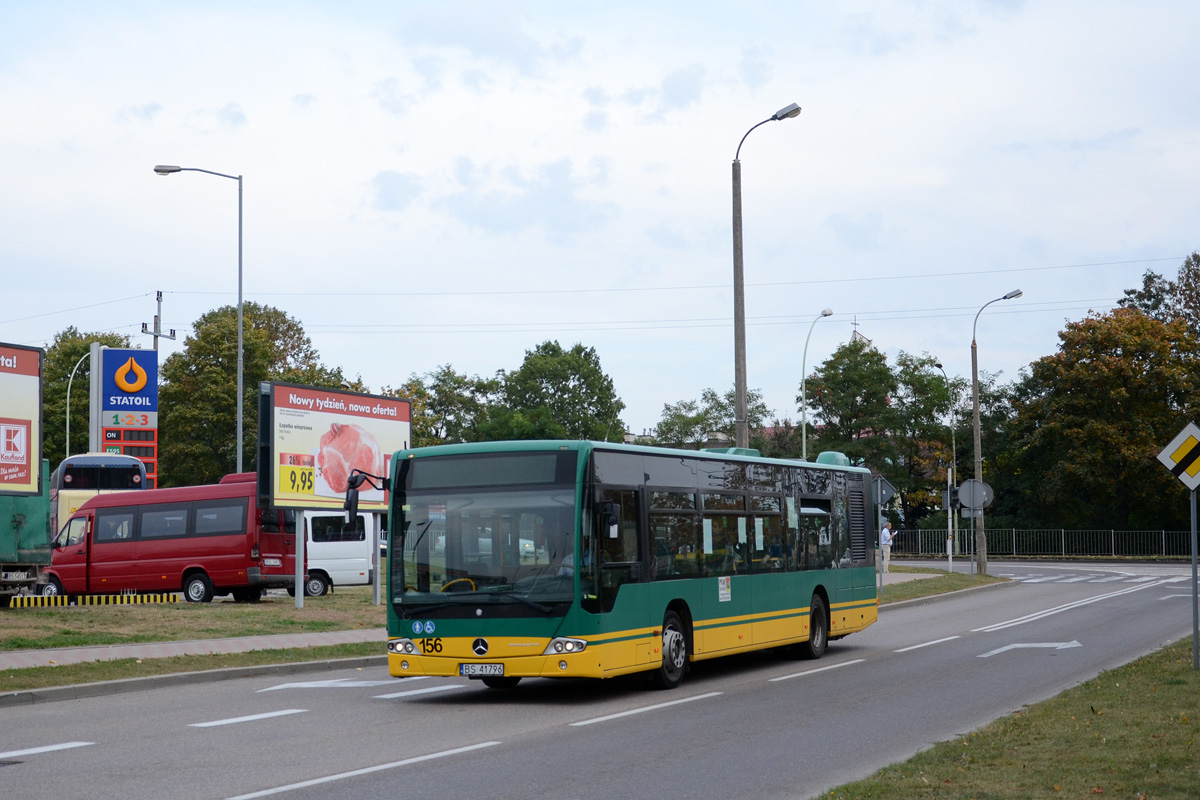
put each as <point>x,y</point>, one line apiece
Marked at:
<point>643,710</point>
<point>49,748</point>
<point>1053,645</point>
<point>364,771</point>
<point>1059,609</point>
<point>426,690</point>
<point>337,683</point>
<point>818,669</point>
<point>250,718</point>
<point>927,644</point>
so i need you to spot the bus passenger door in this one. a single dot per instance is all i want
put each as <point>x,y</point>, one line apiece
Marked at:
<point>70,556</point>
<point>620,568</point>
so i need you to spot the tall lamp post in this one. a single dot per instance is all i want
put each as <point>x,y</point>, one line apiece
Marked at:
<point>980,531</point>
<point>166,169</point>
<point>950,470</point>
<point>741,427</point>
<point>803,380</point>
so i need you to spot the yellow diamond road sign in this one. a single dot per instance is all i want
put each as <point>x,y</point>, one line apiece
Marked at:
<point>1182,456</point>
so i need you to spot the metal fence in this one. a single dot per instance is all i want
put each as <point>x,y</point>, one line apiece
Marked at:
<point>1020,542</point>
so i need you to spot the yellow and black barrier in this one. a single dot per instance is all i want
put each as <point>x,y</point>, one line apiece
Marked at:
<point>37,600</point>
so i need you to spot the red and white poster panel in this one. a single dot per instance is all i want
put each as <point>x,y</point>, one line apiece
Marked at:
<point>320,435</point>
<point>20,420</point>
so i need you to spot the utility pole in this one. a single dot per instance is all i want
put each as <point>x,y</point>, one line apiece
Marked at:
<point>157,332</point>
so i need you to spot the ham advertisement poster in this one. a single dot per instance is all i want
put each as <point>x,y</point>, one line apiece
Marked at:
<point>319,435</point>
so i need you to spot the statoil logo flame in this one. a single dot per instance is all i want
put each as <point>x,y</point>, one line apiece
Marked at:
<point>123,374</point>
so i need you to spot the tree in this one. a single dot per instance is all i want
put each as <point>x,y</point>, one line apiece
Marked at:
<point>459,405</point>
<point>1091,419</point>
<point>1164,300</point>
<point>919,437</point>
<point>691,424</point>
<point>198,392</point>
<point>68,347</point>
<point>557,393</point>
<point>424,433</point>
<point>851,394</point>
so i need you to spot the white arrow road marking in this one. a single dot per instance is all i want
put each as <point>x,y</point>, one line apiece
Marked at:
<point>345,683</point>
<point>1051,645</point>
<point>50,748</point>
<point>251,718</point>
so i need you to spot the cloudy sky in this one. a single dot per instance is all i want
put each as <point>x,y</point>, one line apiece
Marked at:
<point>430,183</point>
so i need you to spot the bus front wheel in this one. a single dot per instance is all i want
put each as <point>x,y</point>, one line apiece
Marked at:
<point>197,588</point>
<point>497,682</point>
<point>674,652</point>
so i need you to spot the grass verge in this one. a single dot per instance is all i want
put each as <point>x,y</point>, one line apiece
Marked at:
<point>1130,732</point>
<point>928,587</point>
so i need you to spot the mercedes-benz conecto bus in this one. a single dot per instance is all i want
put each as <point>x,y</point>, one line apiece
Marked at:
<point>579,559</point>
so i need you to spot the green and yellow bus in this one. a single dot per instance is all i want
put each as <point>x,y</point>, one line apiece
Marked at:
<point>585,559</point>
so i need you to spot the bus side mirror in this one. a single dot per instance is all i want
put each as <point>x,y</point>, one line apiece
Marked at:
<point>610,519</point>
<point>351,505</point>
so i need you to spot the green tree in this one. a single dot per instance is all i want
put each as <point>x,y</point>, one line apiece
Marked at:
<point>691,424</point>
<point>424,433</point>
<point>459,405</point>
<point>1091,419</point>
<point>1164,300</point>
<point>198,392</point>
<point>920,439</point>
<point>557,393</point>
<point>68,347</point>
<point>851,394</point>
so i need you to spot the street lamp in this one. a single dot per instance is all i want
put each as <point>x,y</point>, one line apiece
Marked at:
<point>166,169</point>
<point>950,470</point>
<point>980,531</point>
<point>803,379</point>
<point>67,447</point>
<point>741,429</point>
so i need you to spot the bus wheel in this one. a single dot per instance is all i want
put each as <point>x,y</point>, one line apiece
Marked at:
<point>53,588</point>
<point>316,585</point>
<point>197,588</point>
<point>674,653</point>
<point>497,682</point>
<point>818,629</point>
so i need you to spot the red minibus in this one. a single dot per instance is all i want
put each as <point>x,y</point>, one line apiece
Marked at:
<point>203,540</point>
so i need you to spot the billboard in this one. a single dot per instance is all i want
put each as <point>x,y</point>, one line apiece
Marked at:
<point>20,419</point>
<point>125,406</point>
<point>311,438</point>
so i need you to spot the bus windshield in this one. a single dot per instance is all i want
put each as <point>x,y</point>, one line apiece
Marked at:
<point>102,478</point>
<point>500,547</point>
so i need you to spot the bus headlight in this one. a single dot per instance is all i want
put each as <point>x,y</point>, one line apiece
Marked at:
<point>401,646</point>
<point>562,645</point>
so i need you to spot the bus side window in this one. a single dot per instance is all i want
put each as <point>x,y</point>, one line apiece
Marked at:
<point>73,533</point>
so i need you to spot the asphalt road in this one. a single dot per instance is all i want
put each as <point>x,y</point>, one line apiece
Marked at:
<point>757,726</point>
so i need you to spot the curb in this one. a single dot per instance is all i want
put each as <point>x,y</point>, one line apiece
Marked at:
<point>82,690</point>
<point>947,595</point>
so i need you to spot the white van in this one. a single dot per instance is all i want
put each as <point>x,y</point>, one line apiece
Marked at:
<point>338,554</point>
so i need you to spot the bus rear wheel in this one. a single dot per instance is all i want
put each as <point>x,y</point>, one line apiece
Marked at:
<point>818,630</point>
<point>674,653</point>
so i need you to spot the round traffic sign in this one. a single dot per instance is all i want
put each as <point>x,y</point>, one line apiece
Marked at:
<point>975,494</point>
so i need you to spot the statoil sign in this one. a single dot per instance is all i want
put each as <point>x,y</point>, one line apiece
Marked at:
<point>129,382</point>
<point>125,405</point>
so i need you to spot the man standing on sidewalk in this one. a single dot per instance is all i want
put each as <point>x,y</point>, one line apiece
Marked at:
<point>885,543</point>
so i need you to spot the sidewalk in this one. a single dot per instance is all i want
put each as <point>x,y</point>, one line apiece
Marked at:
<point>18,659</point>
